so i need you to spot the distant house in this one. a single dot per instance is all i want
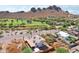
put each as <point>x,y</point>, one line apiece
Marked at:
<point>63,34</point>
<point>74,31</point>
<point>67,37</point>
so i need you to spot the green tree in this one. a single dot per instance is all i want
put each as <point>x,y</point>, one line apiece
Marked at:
<point>29,21</point>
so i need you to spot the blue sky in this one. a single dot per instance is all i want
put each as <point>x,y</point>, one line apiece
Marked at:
<point>71,8</point>
<point>14,8</point>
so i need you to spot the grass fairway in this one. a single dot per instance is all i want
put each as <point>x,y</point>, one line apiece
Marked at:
<point>20,22</point>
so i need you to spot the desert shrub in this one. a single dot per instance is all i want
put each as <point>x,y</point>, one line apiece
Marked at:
<point>1,32</point>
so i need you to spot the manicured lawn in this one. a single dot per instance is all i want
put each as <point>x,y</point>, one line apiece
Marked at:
<point>61,50</point>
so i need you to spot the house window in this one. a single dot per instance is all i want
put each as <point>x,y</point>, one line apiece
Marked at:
<point>34,37</point>
<point>34,41</point>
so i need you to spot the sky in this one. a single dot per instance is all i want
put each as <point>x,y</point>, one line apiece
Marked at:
<point>74,9</point>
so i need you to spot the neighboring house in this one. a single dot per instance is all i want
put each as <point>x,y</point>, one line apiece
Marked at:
<point>75,49</point>
<point>37,43</point>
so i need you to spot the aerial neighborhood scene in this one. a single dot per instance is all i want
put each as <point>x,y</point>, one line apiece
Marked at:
<point>39,29</point>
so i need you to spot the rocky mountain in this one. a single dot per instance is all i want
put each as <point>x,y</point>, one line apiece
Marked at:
<point>51,11</point>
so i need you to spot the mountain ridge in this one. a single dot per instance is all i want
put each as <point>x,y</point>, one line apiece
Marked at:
<point>51,11</point>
